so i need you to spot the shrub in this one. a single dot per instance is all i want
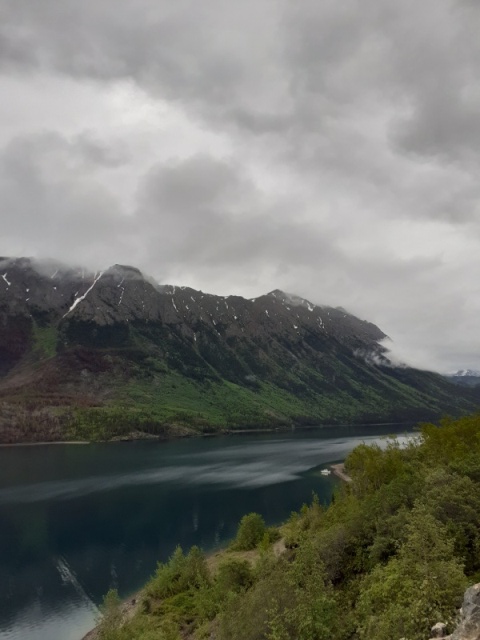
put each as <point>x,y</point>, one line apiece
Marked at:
<point>179,574</point>
<point>111,616</point>
<point>234,575</point>
<point>250,532</point>
<point>421,585</point>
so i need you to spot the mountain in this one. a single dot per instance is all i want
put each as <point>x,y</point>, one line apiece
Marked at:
<point>465,377</point>
<point>107,354</point>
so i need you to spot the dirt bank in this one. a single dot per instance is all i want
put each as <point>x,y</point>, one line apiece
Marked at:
<point>339,471</point>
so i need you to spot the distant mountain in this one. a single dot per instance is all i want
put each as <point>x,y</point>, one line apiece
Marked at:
<point>108,354</point>
<point>466,373</point>
<point>465,377</point>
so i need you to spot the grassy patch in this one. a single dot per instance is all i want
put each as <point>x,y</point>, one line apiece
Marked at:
<point>46,339</point>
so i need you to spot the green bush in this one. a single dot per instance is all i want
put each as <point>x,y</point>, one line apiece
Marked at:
<point>289,600</point>
<point>250,532</point>
<point>111,616</point>
<point>179,574</point>
<point>423,584</point>
<point>234,575</point>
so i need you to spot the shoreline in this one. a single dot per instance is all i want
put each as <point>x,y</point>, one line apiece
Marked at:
<point>43,443</point>
<point>132,603</point>
<point>339,471</point>
<point>220,432</point>
<point>128,608</point>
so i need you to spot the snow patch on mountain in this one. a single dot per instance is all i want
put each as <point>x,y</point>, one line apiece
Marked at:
<point>77,301</point>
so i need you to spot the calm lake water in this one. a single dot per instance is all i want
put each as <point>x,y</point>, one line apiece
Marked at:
<point>76,520</point>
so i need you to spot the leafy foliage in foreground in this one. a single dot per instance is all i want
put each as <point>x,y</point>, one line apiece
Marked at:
<point>387,559</point>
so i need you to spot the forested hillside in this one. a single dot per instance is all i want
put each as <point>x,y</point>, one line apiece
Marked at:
<point>390,557</point>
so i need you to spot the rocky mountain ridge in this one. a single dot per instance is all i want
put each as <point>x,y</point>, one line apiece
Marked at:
<point>122,294</point>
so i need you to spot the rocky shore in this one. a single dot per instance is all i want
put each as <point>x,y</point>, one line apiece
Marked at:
<point>468,626</point>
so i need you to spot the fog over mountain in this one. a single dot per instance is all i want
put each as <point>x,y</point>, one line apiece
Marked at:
<point>329,149</point>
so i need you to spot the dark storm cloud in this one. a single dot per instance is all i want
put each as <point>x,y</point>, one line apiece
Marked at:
<point>52,200</point>
<point>440,78</point>
<point>205,213</point>
<point>265,65</point>
<point>172,46</point>
<point>329,148</point>
<point>96,152</point>
<point>273,66</point>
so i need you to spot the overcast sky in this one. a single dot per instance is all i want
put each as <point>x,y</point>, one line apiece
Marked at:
<point>327,148</point>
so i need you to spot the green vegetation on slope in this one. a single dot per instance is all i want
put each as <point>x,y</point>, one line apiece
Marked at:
<point>388,558</point>
<point>169,403</point>
<point>162,382</point>
<point>45,339</point>
<point>151,379</point>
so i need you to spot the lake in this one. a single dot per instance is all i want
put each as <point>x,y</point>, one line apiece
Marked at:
<point>76,520</point>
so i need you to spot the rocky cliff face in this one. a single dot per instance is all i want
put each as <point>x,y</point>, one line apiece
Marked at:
<point>72,338</point>
<point>50,293</point>
<point>468,626</point>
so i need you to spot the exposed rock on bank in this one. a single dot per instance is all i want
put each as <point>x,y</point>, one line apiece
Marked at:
<point>468,627</point>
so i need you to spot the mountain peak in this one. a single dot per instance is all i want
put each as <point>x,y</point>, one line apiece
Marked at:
<point>291,299</point>
<point>124,272</point>
<point>125,268</point>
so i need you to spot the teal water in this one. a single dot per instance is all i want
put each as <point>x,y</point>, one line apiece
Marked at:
<point>76,520</point>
